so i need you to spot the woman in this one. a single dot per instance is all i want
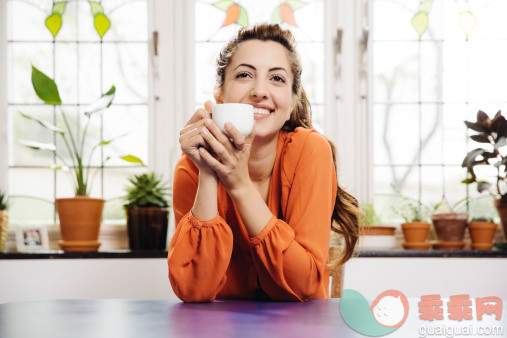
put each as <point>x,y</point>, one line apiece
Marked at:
<point>253,214</point>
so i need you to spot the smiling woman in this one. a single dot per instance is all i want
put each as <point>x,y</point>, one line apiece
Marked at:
<point>254,213</point>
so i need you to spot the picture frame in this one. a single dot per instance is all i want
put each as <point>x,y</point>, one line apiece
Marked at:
<point>32,238</point>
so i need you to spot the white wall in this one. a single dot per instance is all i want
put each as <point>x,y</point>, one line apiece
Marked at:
<point>42,279</point>
<point>415,277</point>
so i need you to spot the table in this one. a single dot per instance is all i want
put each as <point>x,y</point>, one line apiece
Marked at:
<point>172,318</point>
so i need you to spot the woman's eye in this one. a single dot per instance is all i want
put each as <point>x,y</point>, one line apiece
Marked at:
<point>242,75</point>
<point>278,78</point>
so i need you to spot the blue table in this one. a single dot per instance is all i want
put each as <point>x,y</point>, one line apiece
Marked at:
<point>172,318</point>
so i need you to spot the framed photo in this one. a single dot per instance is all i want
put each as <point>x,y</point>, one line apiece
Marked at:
<point>30,238</point>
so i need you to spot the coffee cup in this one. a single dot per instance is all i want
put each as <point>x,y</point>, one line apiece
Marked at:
<point>239,114</point>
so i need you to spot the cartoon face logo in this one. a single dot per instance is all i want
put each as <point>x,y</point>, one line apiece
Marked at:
<point>390,308</point>
<point>385,314</point>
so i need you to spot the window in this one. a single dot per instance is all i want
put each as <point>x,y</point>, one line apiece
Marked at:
<point>84,65</point>
<point>435,64</point>
<point>217,21</point>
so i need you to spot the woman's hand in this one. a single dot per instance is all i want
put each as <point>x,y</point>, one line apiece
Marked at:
<point>231,154</point>
<point>191,139</point>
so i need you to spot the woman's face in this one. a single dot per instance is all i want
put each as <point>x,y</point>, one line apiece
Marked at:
<point>259,74</point>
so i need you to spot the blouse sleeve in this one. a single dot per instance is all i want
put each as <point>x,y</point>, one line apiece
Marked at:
<point>290,256</point>
<point>200,251</point>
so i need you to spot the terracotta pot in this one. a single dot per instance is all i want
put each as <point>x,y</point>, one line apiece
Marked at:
<point>482,232</point>
<point>147,228</point>
<point>4,226</point>
<point>80,219</point>
<point>378,230</point>
<point>449,245</point>
<point>502,212</point>
<point>415,232</point>
<point>450,227</point>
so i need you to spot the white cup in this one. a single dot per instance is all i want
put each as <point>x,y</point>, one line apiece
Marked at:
<point>239,114</point>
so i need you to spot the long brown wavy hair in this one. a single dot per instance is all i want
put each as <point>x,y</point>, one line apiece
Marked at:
<point>346,213</point>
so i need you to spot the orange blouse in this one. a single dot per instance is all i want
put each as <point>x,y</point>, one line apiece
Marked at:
<point>287,260</point>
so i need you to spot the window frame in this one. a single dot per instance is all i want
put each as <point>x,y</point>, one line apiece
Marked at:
<point>171,91</point>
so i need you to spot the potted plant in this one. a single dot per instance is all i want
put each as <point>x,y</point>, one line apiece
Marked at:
<point>4,221</point>
<point>482,231</point>
<point>147,212</point>
<point>80,216</point>
<point>416,228</point>
<point>450,226</point>
<point>492,135</point>
<point>373,235</point>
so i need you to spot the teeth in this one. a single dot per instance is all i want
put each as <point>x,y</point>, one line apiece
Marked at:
<point>261,111</point>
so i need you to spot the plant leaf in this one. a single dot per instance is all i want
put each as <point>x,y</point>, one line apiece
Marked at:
<point>483,186</point>
<point>476,127</point>
<point>101,24</point>
<point>471,156</point>
<point>481,138</point>
<point>44,124</point>
<point>96,8</point>
<point>54,23</point>
<point>468,180</point>
<point>106,142</point>
<point>132,159</point>
<point>296,4</point>
<point>59,7</point>
<point>502,141</point>
<point>58,167</point>
<point>45,87</point>
<point>420,22</point>
<point>243,17</point>
<point>224,4</point>
<point>102,103</point>
<point>482,117</point>
<point>37,145</point>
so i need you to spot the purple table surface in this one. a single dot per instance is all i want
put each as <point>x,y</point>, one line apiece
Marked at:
<point>172,318</point>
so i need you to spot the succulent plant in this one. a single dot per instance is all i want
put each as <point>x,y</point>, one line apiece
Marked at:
<point>3,201</point>
<point>146,190</point>
<point>493,135</point>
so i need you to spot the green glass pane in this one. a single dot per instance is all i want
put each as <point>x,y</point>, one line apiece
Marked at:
<point>224,4</point>
<point>54,23</point>
<point>96,8</point>
<point>243,17</point>
<point>59,7</point>
<point>101,24</point>
<point>420,22</point>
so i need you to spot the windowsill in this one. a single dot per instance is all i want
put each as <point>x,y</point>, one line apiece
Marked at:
<point>58,254</point>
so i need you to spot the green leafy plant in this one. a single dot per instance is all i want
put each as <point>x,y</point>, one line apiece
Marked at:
<point>370,216</point>
<point>47,90</point>
<point>3,201</point>
<point>147,190</point>
<point>492,134</point>
<point>412,211</point>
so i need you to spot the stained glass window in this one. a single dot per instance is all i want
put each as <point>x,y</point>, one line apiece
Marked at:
<point>87,47</point>
<point>436,63</point>
<point>216,21</point>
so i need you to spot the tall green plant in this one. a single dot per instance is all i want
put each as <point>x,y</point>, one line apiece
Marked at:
<point>47,90</point>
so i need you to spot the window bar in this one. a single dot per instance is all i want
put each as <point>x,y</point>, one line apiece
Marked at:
<point>419,113</point>
<point>467,104</point>
<point>55,177</point>
<point>101,122</point>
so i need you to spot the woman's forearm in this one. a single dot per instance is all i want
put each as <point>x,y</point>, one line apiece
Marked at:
<point>205,205</point>
<point>252,209</point>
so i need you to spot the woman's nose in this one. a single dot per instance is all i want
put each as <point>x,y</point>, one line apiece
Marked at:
<point>259,89</point>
